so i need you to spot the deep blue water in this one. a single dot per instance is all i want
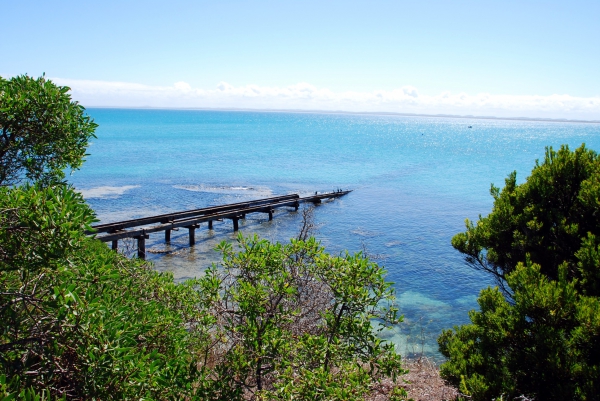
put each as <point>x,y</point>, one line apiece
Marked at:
<point>414,181</point>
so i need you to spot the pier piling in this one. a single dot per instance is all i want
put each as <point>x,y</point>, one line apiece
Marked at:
<point>141,245</point>
<point>192,233</point>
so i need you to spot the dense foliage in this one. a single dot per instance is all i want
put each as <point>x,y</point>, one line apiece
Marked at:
<point>80,321</point>
<point>540,337</point>
<point>42,132</point>
<point>549,217</point>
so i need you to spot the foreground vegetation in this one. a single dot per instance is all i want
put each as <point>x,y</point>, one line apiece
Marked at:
<point>538,335</point>
<point>278,321</point>
<point>274,322</point>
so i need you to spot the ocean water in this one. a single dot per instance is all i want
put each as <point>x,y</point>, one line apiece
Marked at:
<point>414,181</point>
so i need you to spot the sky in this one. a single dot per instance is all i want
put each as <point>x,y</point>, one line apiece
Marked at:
<point>484,58</point>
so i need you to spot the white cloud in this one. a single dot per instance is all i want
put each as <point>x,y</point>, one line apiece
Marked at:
<point>305,96</point>
<point>182,86</point>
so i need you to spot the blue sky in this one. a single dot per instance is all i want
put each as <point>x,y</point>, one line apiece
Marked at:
<point>506,58</point>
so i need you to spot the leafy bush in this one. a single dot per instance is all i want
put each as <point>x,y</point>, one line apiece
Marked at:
<point>544,345</point>
<point>547,219</point>
<point>42,132</point>
<point>296,323</point>
<point>82,321</point>
<point>41,227</point>
<point>540,336</point>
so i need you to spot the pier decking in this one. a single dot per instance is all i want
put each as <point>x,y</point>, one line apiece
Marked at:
<point>140,229</point>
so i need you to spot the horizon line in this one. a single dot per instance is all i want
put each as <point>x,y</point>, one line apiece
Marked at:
<point>382,113</point>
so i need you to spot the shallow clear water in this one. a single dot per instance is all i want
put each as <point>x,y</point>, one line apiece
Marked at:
<point>414,181</point>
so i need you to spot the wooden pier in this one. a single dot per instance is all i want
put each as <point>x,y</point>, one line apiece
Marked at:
<point>140,229</point>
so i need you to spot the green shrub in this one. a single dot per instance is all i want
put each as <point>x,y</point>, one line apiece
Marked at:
<point>82,321</point>
<point>539,335</point>
<point>42,131</point>
<point>296,323</point>
<point>547,218</point>
<point>543,345</point>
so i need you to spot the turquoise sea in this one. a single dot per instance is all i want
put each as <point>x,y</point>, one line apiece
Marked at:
<point>414,181</point>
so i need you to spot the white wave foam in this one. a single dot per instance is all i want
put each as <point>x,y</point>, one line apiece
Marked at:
<point>106,192</point>
<point>225,189</point>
